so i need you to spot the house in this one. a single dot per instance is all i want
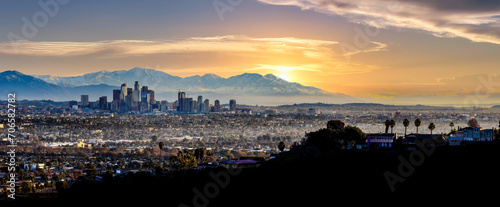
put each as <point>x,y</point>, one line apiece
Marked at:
<point>411,140</point>
<point>380,139</point>
<point>471,134</point>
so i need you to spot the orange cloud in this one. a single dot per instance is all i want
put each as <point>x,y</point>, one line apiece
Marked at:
<point>478,21</point>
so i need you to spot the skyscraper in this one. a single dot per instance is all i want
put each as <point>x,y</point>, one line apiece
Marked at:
<point>116,94</point>
<point>206,106</point>
<point>188,105</point>
<point>200,105</point>
<point>136,96</point>
<point>115,104</point>
<point>123,93</point>
<point>85,100</point>
<point>103,103</point>
<point>180,101</point>
<point>232,105</point>
<point>136,85</point>
<point>144,101</point>
<point>151,97</point>
<point>216,106</point>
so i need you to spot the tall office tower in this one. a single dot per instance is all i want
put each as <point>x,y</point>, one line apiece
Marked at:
<point>123,92</point>
<point>194,106</point>
<point>206,106</point>
<point>103,102</point>
<point>232,105</point>
<point>200,104</point>
<point>128,101</point>
<point>216,106</point>
<point>151,97</point>
<point>136,95</point>
<point>115,104</point>
<point>136,85</point>
<point>85,100</point>
<point>116,94</point>
<point>188,105</point>
<point>180,101</point>
<point>144,89</point>
<point>144,98</point>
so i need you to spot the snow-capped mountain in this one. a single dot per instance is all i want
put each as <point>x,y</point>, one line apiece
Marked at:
<point>247,83</point>
<point>247,86</point>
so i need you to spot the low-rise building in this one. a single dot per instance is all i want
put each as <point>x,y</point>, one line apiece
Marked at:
<point>380,139</point>
<point>471,134</point>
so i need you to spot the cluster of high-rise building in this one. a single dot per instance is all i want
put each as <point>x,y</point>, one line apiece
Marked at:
<point>136,99</point>
<point>124,100</point>
<point>143,99</point>
<point>190,105</point>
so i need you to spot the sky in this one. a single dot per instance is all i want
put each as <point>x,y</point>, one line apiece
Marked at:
<point>385,51</point>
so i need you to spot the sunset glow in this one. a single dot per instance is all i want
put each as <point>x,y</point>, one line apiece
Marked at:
<point>380,51</point>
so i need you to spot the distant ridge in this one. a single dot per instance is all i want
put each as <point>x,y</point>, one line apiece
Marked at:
<point>246,83</point>
<point>249,88</point>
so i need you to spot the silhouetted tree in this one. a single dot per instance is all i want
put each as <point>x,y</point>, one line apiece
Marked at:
<point>387,125</point>
<point>335,125</point>
<point>353,134</point>
<point>25,187</point>
<point>473,123</point>
<point>417,123</point>
<point>406,123</point>
<point>432,127</point>
<point>161,145</point>
<point>281,146</point>
<point>199,153</point>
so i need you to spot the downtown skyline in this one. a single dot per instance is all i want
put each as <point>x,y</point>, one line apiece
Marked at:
<point>393,52</point>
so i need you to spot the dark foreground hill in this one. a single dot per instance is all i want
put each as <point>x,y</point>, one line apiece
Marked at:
<point>300,178</point>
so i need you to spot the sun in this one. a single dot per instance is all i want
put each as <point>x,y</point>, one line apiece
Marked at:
<point>284,76</point>
<point>284,72</point>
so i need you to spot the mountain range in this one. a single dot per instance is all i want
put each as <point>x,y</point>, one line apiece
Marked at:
<point>249,88</point>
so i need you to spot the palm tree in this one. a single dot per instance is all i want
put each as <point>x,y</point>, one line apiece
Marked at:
<point>406,123</point>
<point>392,124</point>
<point>387,124</point>
<point>161,145</point>
<point>417,123</point>
<point>281,146</point>
<point>451,126</point>
<point>432,126</point>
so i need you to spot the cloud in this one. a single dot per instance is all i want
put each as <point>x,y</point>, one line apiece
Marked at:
<point>230,51</point>
<point>476,20</point>
<point>228,43</point>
